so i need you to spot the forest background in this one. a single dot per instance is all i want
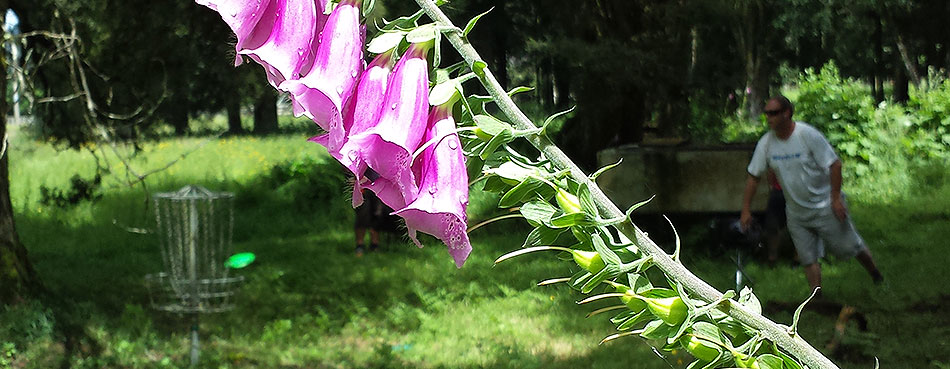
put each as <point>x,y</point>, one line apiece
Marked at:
<point>871,74</point>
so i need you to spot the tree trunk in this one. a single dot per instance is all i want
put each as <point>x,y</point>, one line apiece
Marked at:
<point>545,84</point>
<point>265,112</point>
<point>901,88</point>
<point>177,116</point>
<point>909,63</point>
<point>879,62</point>
<point>17,278</point>
<point>562,85</point>
<point>234,116</point>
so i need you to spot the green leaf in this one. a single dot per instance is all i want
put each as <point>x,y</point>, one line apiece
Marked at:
<point>479,68</point>
<point>422,34</point>
<point>519,89</point>
<point>639,283</point>
<point>542,235</point>
<point>240,260</point>
<point>368,7</point>
<point>385,41</point>
<point>789,362</point>
<point>401,23</point>
<point>500,139</point>
<point>528,189</point>
<point>638,205</point>
<point>444,92</point>
<point>474,165</point>
<point>610,271</point>
<point>511,172</point>
<point>708,331</point>
<point>798,312</point>
<point>593,177</point>
<point>538,213</point>
<point>471,23</point>
<point>656,330</point>
<point>579,278</point>
<point>632,321</point>
<point>586,199</point>
<point>769,361</point>
<point>608,255</point>
<point>676,238</point>
<point>550,119</point>
<point>748,299</point>
<point>491,125</point>
<point>572,219</point>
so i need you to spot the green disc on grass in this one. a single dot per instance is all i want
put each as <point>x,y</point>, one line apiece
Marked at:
<point>238,261</point>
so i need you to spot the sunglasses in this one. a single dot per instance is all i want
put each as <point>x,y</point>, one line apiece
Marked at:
<point>773,113</point>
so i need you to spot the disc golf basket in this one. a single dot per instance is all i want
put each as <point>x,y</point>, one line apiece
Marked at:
<point>194,227</point>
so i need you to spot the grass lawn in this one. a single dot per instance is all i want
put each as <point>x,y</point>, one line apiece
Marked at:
<point>308,302</point>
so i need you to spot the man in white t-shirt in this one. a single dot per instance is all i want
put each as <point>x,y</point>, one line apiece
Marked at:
<point>810,174</point>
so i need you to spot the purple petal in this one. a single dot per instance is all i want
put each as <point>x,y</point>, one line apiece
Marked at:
<point>387,192</point>
<point>321,93</point>
<point>387,146</point>
<point>281,40</point>
<point>240,15</point>
<point>439,208</point>
<point>320,22</point>
<point>362,112</point>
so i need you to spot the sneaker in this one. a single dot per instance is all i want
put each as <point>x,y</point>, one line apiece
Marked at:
<point>359,251</point>
<point>374,247</point>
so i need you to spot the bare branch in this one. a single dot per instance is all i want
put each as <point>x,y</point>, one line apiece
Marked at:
<point>3,149</point>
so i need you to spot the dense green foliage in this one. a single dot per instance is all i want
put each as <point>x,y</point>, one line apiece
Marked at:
<point>634,69</point>
<point>885,146</point>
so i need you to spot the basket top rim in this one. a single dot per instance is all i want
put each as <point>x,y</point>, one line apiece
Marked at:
<point>193,192</point>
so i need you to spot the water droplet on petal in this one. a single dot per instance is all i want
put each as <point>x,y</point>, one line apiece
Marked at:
<point>353,73</point>
<point>433,189</point>
<point>453,144</point>
<point>234,14</point>
<point>463,200</point>
<point>320,36</point>
<point>300,51</point>
<point>339,90</point>
<point>394,106</point>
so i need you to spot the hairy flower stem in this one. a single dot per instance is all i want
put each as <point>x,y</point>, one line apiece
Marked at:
<point>780,335</point>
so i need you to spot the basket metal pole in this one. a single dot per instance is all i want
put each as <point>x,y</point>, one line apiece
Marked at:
<point>195,348</point>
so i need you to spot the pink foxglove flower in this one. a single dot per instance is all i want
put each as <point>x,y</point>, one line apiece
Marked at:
<point>282,39</point>
<point>402,123</point>
<point>240,15</point>
<point>321,93</point>
<point>360,114</point>
<point>439,208</point>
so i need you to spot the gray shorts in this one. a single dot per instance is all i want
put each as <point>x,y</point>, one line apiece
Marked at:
<point>818,230</point>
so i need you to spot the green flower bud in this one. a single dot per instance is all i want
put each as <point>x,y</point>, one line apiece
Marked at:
<point>589,260</point>
<point>701,349</point>
<point>672,310</point>
<point>482,135</point>
<point>746,361</point>
<point>568,202</point>
<point>631,299</point>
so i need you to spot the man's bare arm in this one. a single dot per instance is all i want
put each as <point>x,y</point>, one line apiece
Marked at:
<point>751,184</point>
<point>836,204</point>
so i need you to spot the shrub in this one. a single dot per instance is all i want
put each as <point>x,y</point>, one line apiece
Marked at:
<point>308,180</point>
<point>840,108</point>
